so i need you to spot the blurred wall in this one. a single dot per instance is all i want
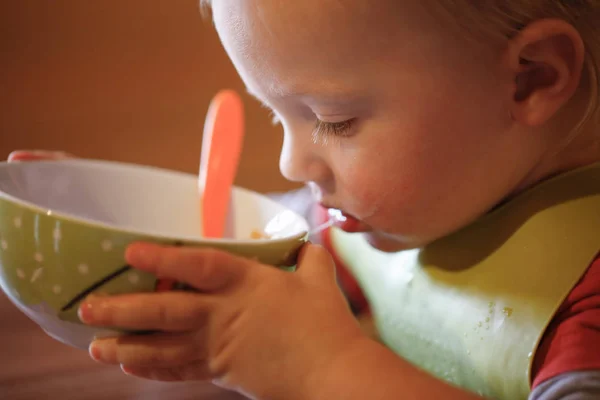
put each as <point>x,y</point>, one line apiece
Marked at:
<point>126,80</point>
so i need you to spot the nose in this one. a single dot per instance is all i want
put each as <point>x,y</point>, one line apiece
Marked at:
<point>301,161</point>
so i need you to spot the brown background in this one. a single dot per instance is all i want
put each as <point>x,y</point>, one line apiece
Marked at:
<point>126,80</point>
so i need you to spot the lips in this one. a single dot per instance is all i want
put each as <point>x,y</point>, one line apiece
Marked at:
<point>346,222</point>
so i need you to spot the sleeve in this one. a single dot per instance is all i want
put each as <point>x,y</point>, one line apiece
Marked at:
<point>580,385</point>
<point>567,362</point>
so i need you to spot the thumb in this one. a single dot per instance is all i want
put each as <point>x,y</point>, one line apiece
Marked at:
<point>316,263</point>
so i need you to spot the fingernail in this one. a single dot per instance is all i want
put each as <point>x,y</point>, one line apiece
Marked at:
<point>127,370</point>
<point>85,312</point>
<point>90,311</point>
<point>95,352</point>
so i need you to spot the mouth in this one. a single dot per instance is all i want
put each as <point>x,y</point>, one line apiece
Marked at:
<point>345,221</point>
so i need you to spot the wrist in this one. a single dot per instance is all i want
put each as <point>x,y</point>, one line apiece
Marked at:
<point>304,372</point>
<point>368,370</point>
<point>326,378</point>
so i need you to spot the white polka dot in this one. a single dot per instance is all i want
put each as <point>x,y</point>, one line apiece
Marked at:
<point>38,257</point>
<point>36,274</point>
<point>134,278</point>
<point>56,289</point>
<point>83,269</point>
<point>4,244</point>
<point>18,222</point>
<point>20,273</point>
<point>107,245</point>
<point>57,234</point>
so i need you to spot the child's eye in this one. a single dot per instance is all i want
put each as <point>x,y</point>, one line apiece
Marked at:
<point>339,129</point>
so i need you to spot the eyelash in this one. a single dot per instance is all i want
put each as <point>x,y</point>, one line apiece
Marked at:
<point>322,128</point>
<point>337,129</point>
<point>274,118</point>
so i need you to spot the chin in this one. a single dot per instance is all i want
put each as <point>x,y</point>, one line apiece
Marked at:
<point>387,244</point>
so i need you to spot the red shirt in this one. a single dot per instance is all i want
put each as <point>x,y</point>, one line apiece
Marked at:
<point>571,342</point>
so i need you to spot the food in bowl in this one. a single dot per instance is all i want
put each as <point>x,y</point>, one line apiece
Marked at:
<point>258,234</point>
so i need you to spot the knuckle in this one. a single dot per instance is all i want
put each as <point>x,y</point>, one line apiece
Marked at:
<point>212,265</point>
<point>182,373</point>
<point>195,315</point>
<point>182,355</point>
<point>155,356</point>
<point>158,357</point>
<point>163,317</point>
<point>165,261</point>
<point>187,315</point>
<point>209,261</point>
<point>175,354</point>
<point>190,317</point>
<point>213,258</point>
<point>170,356</point>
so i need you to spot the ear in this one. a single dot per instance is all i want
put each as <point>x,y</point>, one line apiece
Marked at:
<point>546,61</point>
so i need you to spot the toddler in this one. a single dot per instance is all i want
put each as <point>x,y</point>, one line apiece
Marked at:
<point>459,140</point>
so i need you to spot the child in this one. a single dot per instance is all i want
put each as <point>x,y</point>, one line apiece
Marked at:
<point>457,136</point>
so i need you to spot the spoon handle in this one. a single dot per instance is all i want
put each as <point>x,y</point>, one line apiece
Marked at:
<point>221,148</point>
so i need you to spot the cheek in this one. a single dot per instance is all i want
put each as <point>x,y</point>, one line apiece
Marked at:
<point>361,192</point>
<point>366,183</point>
<point>399,171</point>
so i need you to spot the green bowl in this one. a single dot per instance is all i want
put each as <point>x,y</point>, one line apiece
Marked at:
<point>65,225</point>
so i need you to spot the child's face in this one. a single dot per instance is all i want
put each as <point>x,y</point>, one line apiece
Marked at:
<point>431,145</point>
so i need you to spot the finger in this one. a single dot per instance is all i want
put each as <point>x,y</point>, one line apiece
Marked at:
<point>33,155</point>
<point>316,263</point>
<point>167,311</point>
<point>204,269</point>
<point>198,371</point>
<point>160,350</point>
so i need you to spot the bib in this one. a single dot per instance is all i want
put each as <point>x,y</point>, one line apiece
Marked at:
<point>472,307</point>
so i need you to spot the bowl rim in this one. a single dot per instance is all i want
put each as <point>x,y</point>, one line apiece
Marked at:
<point>71,218</point>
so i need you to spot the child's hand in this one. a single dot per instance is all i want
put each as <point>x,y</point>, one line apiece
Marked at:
<point>32,155</point>
<point>250,327</point>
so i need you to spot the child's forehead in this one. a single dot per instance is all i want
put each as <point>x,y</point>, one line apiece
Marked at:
<point>328,46</point>
<point>338,31</point>
<point>319,21</point>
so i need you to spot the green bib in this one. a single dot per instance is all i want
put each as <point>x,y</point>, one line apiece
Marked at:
<point>472,307</point>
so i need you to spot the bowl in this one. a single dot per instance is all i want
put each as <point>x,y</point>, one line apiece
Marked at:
<point>65,225</point>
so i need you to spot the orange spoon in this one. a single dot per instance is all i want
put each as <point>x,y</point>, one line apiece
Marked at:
<point>219,158</point>
<point>221,148</point>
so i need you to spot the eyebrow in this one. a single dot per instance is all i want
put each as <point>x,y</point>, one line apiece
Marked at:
<point>327,96</point>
